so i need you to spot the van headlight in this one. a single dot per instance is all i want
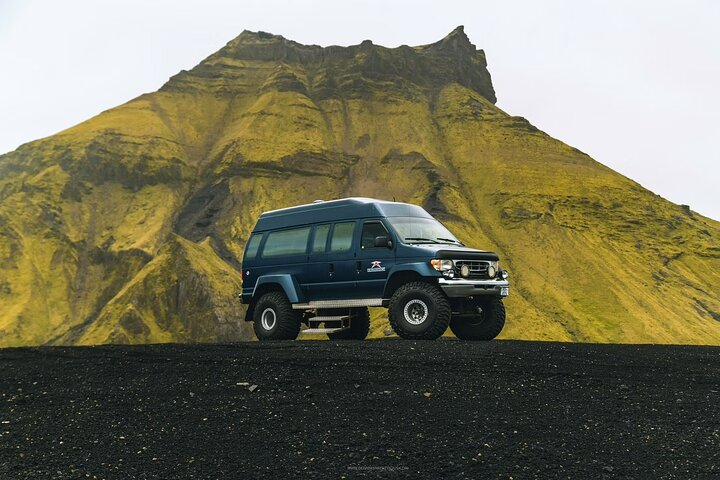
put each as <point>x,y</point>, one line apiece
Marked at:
<point>441,265</point>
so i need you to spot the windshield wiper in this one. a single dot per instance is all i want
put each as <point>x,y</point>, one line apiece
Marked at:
<point>423,239</point>
<point>451,240</point>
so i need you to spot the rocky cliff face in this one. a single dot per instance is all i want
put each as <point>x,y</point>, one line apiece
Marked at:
<point>338,72</point>
<point>130,227</point>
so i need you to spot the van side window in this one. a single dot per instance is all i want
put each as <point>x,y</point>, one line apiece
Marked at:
<point>342,237</point>
<point>286,242</point>
<point>320,238</point>
<point>370,231</point>
<point>252,245</point>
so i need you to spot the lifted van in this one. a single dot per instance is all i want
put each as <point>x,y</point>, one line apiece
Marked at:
<point>324,264</point>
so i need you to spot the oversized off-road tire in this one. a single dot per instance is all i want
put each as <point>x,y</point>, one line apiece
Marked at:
<point>419,311</point>
<point>359,326</point>
<point>275,319</point>
<point>484,326</point>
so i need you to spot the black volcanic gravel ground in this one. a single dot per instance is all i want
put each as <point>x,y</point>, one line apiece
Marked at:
<point>390,408</point>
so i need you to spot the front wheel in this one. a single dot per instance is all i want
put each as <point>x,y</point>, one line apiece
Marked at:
<point>275,319</point>
<point>419,311</point>
<point>486,325</point>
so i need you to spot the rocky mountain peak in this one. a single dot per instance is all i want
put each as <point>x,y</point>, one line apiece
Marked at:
<point>455,41</point>
<point>353,70</point>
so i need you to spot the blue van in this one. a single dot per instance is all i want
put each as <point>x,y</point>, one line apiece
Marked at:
<point>322,265</point>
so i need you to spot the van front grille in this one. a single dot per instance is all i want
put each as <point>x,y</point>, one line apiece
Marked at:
<point>478,268</point>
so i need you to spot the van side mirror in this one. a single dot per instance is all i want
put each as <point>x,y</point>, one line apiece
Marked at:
<point>383,241</point>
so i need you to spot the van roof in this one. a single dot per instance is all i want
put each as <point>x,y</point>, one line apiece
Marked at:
<point>336,210</point>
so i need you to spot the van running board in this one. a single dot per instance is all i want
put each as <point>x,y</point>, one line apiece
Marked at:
<point>365,302</point>
<point>319,318</point>
<point>333,323</point>
<point>323,330</point>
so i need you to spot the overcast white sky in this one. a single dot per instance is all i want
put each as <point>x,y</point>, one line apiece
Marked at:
<point>636,84</point>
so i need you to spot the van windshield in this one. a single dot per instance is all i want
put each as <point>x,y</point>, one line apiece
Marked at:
<point>422,230</point>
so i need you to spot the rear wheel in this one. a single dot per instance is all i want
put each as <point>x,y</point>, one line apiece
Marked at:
<point>419,311</point>
<point>359,326</point>
<point>275,319</point>
<point>486,325</point>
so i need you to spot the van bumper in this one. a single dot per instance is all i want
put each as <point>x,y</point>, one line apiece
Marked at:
<point>454,288</point>
<point>245,297</point>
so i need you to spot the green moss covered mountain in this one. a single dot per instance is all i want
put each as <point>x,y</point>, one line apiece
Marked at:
<point>130,227</point>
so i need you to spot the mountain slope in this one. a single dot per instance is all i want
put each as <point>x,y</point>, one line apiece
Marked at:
<point>88,215</point>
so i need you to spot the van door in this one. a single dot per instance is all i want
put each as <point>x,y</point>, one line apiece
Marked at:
<point>373,263</point>
<point>333,271</point>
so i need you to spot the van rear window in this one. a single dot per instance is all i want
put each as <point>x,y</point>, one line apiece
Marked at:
<point>286,242</point>
<point>252,246</point>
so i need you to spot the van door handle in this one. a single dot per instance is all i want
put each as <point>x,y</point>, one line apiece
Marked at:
<point>358,266</point>
<point>331,268</point>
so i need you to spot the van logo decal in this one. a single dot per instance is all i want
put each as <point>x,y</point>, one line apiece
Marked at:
<point>376,267</point>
